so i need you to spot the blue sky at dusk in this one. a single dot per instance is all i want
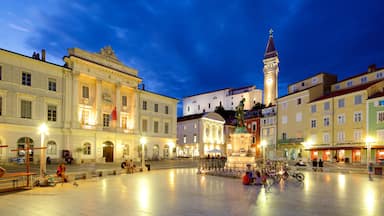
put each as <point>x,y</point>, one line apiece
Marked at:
<point>185,47</point>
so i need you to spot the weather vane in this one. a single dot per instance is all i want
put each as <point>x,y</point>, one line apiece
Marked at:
<point>270,31</point>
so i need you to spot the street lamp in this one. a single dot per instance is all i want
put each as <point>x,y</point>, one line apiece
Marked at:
<point>43,129</point>
<point>369,140</point>
<point>143,141</point>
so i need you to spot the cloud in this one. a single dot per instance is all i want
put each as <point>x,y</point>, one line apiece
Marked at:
<point>18,28</point>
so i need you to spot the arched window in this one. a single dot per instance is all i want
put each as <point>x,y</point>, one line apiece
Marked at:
<point>87,148</point>
<point>51,148</point>
<point>22,145</point>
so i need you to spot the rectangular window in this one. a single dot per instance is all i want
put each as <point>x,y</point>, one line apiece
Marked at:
<point>156,127</point>
<point>326,106</point>
<point>166,110</point>
<point>357,135</point>
<point>185,139</point>
<point>349,83</point>
<point>51,84</point>
<point>124,100</point>
<point>144,107</point>
<point>379,75</point>
<point>195,138</point>
<point>341,103</point>
<point>340,136</point>
<point>85,117</point>
<point>284,119</point>
<point>284,136</point>
<point>298,101</point>
<point>313,108</point>
<point>299,117</point>
<point>380,116</point>
<point>326,138</point>
<point>85,92</point>
<point>124,121</point>
<point>144,125</point>
<point>52,113</point>
<point>253,126</point>
<point>166,127</point>
<point>106,118</point>
<point>156,107</point>
<point>313,123</point>
<point>326,121</point>
<point>341,119</point>
<point>364,79</point>
<point>26,109</point>
<point>357,117</point>
<point>26,79</point>
<point>337,87</point>
<point>358,99</point>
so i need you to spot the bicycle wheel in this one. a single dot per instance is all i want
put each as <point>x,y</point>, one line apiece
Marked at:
<point>300,177</point>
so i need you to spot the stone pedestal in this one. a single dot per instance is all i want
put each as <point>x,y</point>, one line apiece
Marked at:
<point>240,162</point>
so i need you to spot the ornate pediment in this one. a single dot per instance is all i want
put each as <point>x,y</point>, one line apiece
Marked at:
<point>108,52</point>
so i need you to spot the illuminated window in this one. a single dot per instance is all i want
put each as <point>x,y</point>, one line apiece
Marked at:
<point>144,126</point>
<point>185,139</point>
<point>85,117</point>
<point>52,113</point>
<point>195,138</point>
<point>87,148</point>
<point>106,118</point>
<point>26,109</point>
<point>51,148</point>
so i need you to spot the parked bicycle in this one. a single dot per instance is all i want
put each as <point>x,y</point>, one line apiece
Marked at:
<point>286,172</point>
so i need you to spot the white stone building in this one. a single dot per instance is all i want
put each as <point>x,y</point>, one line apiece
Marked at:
<point>200,134</point>
<point>228,98</point>
<point>92,106</point>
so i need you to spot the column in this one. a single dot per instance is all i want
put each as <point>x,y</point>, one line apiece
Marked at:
<point>99,103</point>
<point>118,104</point>
<point>75,100</point>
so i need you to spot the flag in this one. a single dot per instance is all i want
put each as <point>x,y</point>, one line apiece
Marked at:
<point>113,115</point>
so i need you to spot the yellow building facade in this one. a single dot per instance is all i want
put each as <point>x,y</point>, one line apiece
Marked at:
<point>92,106</point>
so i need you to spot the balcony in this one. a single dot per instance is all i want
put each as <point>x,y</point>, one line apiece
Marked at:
<point>290,141</point>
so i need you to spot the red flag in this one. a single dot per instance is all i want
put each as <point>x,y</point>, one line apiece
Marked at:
<point>114,114</point>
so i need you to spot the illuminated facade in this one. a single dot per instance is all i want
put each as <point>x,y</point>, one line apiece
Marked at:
<point>200,134</point>
<point>293,113</point>
<point>228,98</point>
<point>271,71</point>
<point>92,106</point>
<point>338,121</point>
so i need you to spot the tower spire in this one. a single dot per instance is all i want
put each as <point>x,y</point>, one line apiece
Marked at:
<point>270,50</point>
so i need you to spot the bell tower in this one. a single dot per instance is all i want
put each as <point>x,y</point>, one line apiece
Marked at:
<point>271,70</point>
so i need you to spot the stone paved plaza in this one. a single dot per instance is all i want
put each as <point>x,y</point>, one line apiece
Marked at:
<point>183,192</point>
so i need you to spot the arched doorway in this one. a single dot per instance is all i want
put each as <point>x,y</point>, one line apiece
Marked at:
<point>166,151</point>
<point>22,145</point>
<point>108,151</point>
<point>155,155</point>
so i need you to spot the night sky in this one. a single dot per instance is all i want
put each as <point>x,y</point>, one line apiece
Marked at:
<point>186,47</point>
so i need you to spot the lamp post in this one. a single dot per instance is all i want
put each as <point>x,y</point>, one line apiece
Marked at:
<point>43,129</point>
<point>369,140</point>
<point>143,141</point>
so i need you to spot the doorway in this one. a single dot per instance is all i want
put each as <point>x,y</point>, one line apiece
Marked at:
<point>108,151</point>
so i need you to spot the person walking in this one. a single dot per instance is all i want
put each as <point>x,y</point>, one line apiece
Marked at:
<point>321,164</point>
<point>60,172</point>
<point>314,164</point>
<point>370,171</point>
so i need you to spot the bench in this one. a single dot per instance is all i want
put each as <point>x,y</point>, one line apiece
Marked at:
<point>14,178</point>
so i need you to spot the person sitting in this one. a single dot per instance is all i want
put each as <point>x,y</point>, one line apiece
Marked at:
<point>60,172</point>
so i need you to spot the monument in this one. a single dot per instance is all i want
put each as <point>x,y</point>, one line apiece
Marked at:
<point>241,154</point>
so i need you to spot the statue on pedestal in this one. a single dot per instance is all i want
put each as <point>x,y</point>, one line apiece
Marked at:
<point>240,127</point>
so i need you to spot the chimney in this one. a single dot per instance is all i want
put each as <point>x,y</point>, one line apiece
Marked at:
<point>371,68</point>
<point>43,55</point>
